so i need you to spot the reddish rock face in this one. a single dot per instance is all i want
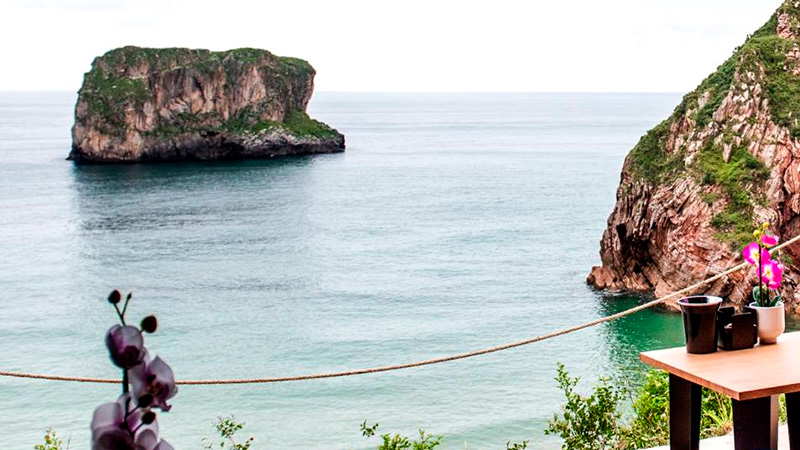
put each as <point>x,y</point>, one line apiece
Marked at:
<point>139,104</point>
<point>669,231</point>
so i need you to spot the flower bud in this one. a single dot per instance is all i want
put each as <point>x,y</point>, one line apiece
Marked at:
<point>149,324</point>
<point>148,417</point>
<point>145,401</point>
<point>155,378</point>
<point>114,297</point>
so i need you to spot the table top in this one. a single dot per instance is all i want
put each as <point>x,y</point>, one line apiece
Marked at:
<point>741,374</point>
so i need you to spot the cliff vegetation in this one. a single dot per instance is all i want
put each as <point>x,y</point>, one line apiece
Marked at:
<point>695,185</point>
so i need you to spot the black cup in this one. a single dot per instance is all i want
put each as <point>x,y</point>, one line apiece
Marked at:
<point>700,323</point>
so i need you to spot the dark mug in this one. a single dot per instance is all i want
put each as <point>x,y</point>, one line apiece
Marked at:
<point>700,323</point>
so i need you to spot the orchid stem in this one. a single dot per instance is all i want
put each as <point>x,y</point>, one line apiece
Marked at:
<point>121,314</point>
<point>125,308</point>
<point>128,413</point>
<point>760,292</point>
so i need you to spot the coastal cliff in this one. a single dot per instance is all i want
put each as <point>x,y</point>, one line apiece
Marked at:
<point>727,158</point>
<point>141,104</point>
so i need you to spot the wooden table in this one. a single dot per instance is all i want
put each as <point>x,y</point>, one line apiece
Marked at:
<point>753,378</point>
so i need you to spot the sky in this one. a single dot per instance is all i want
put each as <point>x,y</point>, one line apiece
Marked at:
<point>399,46</point>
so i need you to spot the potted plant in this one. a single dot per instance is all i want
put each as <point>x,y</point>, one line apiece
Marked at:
<point>767,300</point>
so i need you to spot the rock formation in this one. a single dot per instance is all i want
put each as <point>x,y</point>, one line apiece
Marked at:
<point>727,158</point>
<point>139,104</point>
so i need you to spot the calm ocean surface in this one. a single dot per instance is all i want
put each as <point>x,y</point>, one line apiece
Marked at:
<point>452,223</point>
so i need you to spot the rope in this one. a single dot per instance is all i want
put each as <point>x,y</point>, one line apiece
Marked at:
<point>427,362</point>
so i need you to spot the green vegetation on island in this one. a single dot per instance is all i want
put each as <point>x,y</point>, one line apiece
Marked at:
<point>766,59</point>
<point>296,123</point>
<point>110,89</point>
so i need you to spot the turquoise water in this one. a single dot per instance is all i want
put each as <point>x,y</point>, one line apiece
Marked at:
<point>452,223</point>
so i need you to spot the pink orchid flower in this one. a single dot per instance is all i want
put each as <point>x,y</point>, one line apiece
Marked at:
<point>769,240</point>
<point>751,253</point>
<point>772,274</point>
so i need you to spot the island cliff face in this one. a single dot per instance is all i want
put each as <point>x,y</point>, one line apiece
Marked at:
<point>694,186</point>
<point>139,105</point>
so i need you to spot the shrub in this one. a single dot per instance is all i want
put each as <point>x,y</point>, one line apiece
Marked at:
<point>398,442</point>
<point>649,426</point>
<point>596,421</point>
<point>51,442</point>
<point>587,422</point>
<point>226,428</point>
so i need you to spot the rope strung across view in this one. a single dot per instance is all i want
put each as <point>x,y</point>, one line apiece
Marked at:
<point>426,362</point>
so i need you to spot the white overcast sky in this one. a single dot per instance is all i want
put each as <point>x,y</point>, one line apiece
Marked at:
<point>409,45</point>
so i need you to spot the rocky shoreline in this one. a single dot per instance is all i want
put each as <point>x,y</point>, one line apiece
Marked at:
<point>220,146</point>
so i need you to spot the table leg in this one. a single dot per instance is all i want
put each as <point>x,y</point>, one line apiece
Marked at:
<point>755,423</point>
<point>684,414</point>
<point>793,419</point>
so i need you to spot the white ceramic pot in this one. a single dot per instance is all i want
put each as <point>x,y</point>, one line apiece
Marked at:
<point>771,322</point>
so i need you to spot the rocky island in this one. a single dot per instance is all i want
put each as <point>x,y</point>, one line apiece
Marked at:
<point>727,158</point>
<point>145,104</point>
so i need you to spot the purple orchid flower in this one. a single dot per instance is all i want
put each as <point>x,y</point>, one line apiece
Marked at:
<point>129,423</point>
<point>163,445</point>
<point>113,439</point>
<point>125,346</point>
<point>154,378</point>
<point>772,274</point>
<point>753,251</point>
<point>147,439</point>
<point>769,240</point>
<point>112,429</point>
<point>108,431</point>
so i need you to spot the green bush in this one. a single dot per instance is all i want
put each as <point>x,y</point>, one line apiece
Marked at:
<point>398,442</point>
<point>597,422</point>
<point>587,422</point>
<point>649,426</point>
<point>51,442</point>
<point>649,423</point>
<point>226,428</point>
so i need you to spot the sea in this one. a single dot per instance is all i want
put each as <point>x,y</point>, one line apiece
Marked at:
<point>453,222</point>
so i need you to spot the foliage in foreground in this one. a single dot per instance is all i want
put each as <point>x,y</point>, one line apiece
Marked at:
<point>611,417</point>
<point>227,428</point>
<point>602,420</point>
<point>397,442</point>
<point>587,422</point>
<point>51,442</point>
<point>425,441</point>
